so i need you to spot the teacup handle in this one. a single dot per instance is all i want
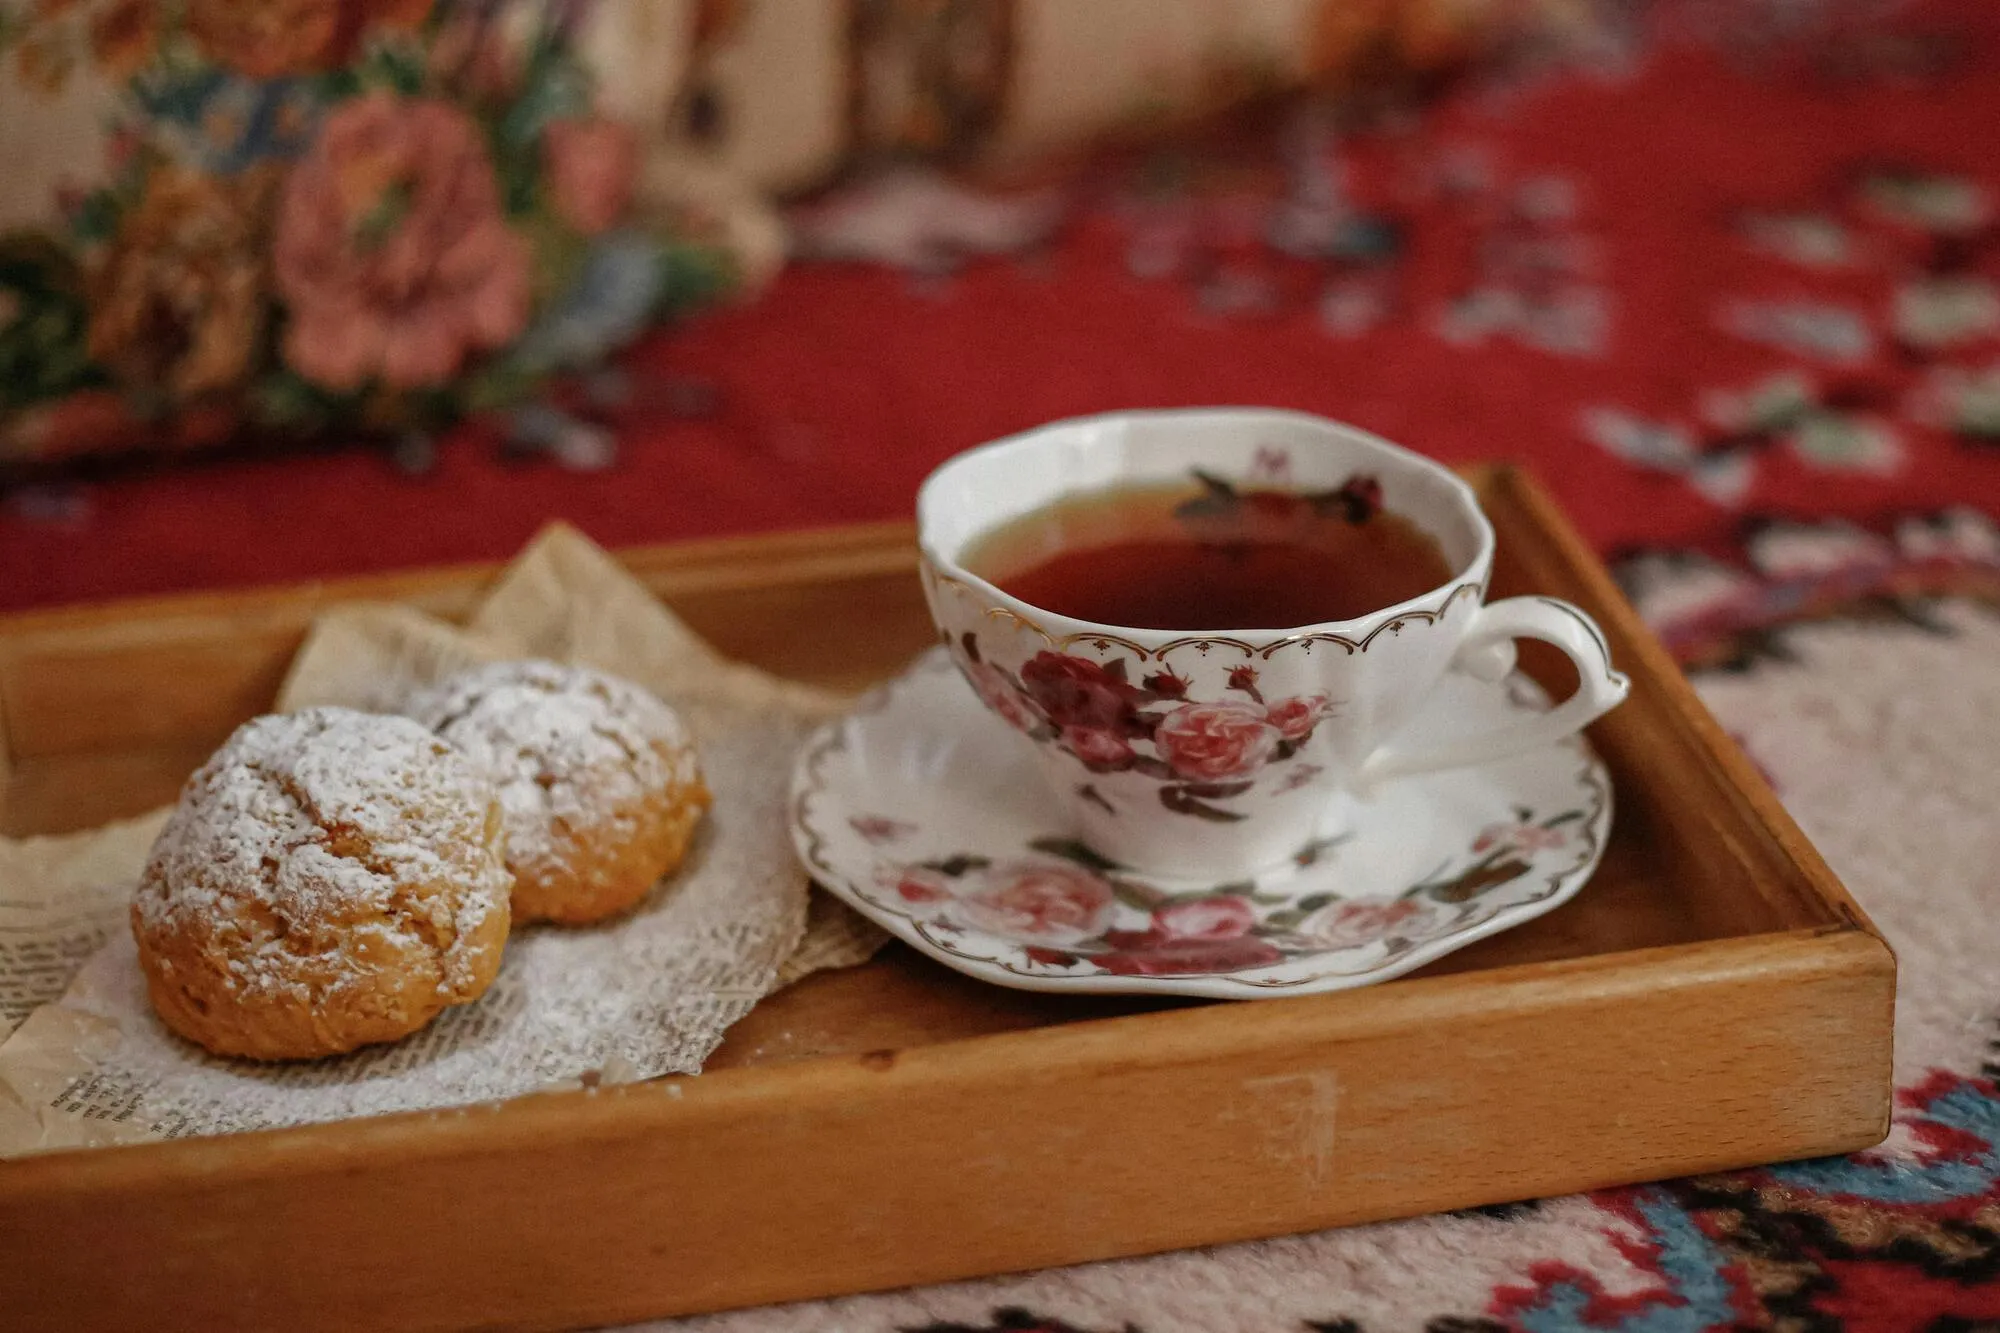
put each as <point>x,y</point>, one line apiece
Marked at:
<point>1488,652</point>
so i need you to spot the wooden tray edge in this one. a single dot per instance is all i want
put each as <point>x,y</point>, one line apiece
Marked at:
<point>1698,729</point>
<point>1127,1041</point>
<point>722,1222</point>
<point>675,1196</point>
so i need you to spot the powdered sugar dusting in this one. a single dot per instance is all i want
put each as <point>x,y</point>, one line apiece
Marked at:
<point>567,747</point>
<point>309,835</point>
<point>648,994</point>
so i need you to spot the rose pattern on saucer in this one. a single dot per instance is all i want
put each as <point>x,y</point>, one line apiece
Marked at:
<point>1200,752</point>
<point>920,811</point>
<point>1071,912</point>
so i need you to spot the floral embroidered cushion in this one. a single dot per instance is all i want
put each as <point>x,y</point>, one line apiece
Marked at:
<point>229,219</point>
<point>314,216</point>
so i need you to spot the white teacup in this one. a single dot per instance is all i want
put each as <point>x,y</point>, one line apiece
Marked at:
<point>1221,752</point>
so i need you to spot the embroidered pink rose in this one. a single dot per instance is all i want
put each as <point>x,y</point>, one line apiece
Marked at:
<point>1045,901</point>
<point>1151,957</point>
<point>993,686</point>
<point>1101,749</point>
<point>391,251</point>
<point>1358,921</point>
<point>1295,718</point>
<point>591,165</point>
<point>1529,838</point>
<point>1223,917</point>
<point>1077,692</point>
<point>1213,741</point>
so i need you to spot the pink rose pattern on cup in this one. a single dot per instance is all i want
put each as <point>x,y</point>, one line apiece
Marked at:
<point>1004,697</point>
<point>1214,742</point>
<point>1201,753</point>
<point>1100,749</point>
<point>1075,913</point>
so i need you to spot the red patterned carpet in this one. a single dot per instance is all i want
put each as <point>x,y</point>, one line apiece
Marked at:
<point>1683,290</point>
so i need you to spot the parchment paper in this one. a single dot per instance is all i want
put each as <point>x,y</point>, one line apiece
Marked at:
<point>85,1060</point>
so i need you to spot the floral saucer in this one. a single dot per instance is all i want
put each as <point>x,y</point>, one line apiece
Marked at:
<point>925,813</point>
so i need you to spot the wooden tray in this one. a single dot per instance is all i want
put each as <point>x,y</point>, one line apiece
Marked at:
<point>1713,999</point>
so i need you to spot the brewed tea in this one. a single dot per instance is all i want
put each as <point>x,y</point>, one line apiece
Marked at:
<point>1211,555</point>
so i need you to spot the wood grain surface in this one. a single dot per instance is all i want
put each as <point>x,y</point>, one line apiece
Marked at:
<point>1712,999</point>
